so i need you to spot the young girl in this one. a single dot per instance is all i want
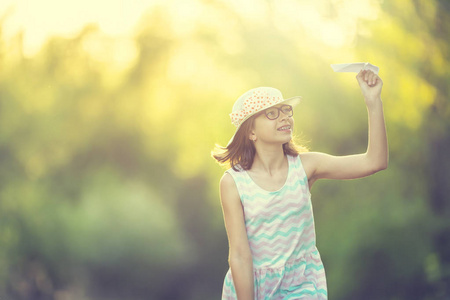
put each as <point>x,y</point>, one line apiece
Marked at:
<point>265,194</point>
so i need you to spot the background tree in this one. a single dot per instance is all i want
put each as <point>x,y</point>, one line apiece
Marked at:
<point>107,188</point>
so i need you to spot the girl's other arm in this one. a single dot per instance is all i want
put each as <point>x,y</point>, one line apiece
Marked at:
<point>240,256</point>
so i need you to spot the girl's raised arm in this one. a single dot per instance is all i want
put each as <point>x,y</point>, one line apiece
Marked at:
<point>320,165</point>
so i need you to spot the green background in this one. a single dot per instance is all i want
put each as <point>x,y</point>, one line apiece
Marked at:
<point>107,187</point>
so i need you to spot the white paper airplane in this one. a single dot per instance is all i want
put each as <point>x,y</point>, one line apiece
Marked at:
<point>355,67</point>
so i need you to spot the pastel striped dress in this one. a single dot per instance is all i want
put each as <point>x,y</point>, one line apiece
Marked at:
<point>281,234</point>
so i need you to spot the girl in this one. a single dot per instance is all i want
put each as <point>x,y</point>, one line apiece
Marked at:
<point>265,194</point>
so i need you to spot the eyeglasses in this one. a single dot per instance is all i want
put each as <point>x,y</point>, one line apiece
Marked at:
<point>273,113</point>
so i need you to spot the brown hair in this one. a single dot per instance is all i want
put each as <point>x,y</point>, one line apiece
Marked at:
<point>241,150</point>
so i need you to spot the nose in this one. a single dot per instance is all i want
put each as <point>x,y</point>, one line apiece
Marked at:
<point>283,116</point>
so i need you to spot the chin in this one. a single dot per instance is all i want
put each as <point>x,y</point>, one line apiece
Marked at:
<point>285,141</point>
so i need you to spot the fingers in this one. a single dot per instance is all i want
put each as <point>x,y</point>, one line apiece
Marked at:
<point>368,77</point>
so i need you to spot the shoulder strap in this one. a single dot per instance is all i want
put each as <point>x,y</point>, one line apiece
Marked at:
<point>299,170</point>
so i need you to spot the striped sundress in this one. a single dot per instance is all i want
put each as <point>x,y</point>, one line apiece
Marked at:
<point>280,230</point>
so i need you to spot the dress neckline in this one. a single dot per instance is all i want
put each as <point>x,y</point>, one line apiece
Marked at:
<point>282,187</point>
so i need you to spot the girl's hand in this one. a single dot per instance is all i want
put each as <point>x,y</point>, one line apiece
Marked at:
<point>370,84</point>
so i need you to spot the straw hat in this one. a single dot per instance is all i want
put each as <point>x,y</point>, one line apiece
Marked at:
<point>254,101</point>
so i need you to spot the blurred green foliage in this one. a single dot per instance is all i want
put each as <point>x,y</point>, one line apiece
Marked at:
<point>107,188</point>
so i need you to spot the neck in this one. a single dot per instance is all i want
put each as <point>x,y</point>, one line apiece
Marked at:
<point>269,159</point>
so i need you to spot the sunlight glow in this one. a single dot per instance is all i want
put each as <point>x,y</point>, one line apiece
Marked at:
<point>332,22</point>
<point>116,53</point>
<point>41,19</point>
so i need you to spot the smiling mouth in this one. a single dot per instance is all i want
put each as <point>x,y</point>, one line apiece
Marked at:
<point>287,127</point>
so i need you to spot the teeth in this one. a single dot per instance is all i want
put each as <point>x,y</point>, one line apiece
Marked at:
<point>285,127</point>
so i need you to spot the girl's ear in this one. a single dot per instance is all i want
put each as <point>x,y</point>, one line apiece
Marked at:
<point>252,136</point>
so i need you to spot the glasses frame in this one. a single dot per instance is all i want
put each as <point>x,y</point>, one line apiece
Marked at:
<point>280,109</point>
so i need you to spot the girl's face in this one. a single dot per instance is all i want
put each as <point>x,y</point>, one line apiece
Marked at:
<point>269,128</point>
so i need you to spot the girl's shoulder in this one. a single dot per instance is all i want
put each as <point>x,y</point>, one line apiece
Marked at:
<point>307,157</point>
<point>227,181</point>
<point>234,175</point>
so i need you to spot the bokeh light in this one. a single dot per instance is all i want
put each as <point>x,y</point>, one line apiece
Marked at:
<point>109,111</point>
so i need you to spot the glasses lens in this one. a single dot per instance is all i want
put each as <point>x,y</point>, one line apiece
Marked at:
<point>272,113</point>
<point>287,110</point>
